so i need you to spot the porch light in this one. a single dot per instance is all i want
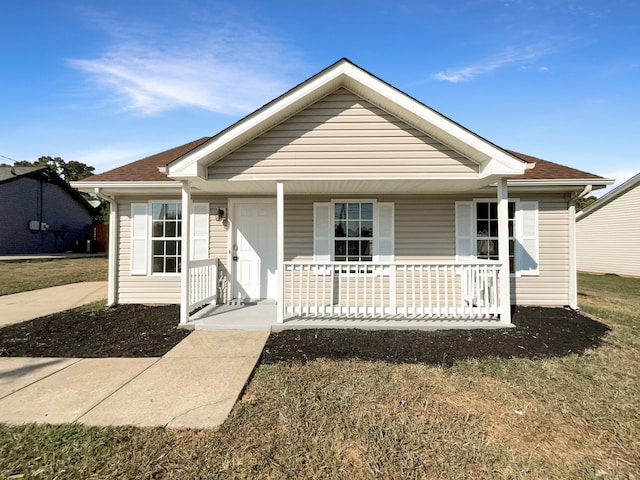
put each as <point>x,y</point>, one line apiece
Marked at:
<point>220,215</point>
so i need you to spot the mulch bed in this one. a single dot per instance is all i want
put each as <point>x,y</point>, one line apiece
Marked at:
<point>151,331</point>
<point>539,333</point>
<point>122,331</point>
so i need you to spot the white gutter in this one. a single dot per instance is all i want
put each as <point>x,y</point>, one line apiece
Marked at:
<point>112,297</point>
<point>573,273</point>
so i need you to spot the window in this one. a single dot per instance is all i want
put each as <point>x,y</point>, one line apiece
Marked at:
<point>477,233</point>
<point>166,237</point>
<point>487,232</point>
<point>156,236</point>
<point>353,232</point>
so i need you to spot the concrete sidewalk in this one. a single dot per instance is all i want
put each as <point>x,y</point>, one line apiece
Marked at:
<point>37,303</point>
<point>195,385</point>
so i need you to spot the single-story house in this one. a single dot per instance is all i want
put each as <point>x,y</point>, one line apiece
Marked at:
<point>40,212</point>
<point>607,232</point>
<point>345,197</point>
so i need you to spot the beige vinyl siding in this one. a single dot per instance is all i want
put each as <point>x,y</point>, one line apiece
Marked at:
<point>342,136</point>
<point>162,289</point>
<point>425,231</point>
<point>551,286</point>
<point>608,240</point>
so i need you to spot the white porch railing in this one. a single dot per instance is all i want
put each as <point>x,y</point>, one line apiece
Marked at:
<point>456,290</point>
<point>203,276</point>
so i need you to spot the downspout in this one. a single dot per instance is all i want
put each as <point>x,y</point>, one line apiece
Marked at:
<point>573,273</point>
<point>112,295</point>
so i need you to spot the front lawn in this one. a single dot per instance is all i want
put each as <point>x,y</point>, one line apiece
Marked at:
<point>24,275</point>
<point>568,417</point>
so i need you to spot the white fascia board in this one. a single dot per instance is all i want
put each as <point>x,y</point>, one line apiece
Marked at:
<point>560,182</point>
<point>89,187</point>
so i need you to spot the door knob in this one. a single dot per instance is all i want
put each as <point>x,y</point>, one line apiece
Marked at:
<point>235,258</point>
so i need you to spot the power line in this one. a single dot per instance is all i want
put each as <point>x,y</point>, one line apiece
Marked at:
<point>9,158</point>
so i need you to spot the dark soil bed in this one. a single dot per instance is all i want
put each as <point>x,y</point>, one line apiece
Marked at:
<point>151,331</point>
<point>539,332</point>
<point>122,331</point>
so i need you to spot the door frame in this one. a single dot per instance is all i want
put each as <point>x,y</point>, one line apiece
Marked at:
<point>231,237</point>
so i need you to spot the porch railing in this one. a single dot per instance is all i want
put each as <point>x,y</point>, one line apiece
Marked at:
<point>460,290</point>
<point>203,276</point>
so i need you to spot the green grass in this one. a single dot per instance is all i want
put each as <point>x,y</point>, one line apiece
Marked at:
<point>24,275</point>
<point>575,417</point>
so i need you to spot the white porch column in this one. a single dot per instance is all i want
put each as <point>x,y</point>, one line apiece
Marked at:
<point>113,253</point>
<point>186,254</point>
<point>503,251</point>
<point>280,251</point>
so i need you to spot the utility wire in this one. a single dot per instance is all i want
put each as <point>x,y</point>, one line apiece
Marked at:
<point>9,158</point>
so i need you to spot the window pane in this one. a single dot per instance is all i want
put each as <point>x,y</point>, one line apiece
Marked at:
<point>172,248</point>
<point>512,210</point>
<point>172,265</point>
<point>158,247</point>
<point>340,211</point>
<point>170,229</point>
<point>493,210</point>
<point>366,248</point>
<point>493,228</point>
<point>354,229</point>
<point>512,247</point>
<point>172,211</point>
<point>482,211</point>
<point>157,229</point>
<point>367,228</point>
<point>340,247</point>
<point>158,211</point>
<point>483,228</point>
<point>511,228</point>
<point>340,229</point>
<point>158,264</point>
<point>354,211</point>
<point>353,248</point>
<point>366,211</point>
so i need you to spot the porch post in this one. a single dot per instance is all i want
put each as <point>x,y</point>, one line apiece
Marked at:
<point>503,252</point>
<point>113,252</point>
<point>186,254</point>
<point>280,251</point>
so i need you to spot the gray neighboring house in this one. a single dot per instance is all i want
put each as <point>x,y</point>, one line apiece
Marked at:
<point>607,232</point>
<point>40,212</point>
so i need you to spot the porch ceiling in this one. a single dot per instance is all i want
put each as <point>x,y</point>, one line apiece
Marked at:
<point>345,187</point>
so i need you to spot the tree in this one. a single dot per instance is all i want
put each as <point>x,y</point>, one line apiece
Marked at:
<point>584,202</point>
<point>70,171</point>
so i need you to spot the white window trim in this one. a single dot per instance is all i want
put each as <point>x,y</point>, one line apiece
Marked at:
<point>332,235</point>
<point>150,239</point>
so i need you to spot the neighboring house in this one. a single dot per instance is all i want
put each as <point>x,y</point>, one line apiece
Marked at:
<point>40,212</point>
<point>345,196</point>
<point>607,232</point>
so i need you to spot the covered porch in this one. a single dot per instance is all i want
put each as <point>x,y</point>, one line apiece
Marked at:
<point>387,293</point>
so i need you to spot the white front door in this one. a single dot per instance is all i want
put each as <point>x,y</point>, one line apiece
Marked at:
<point>254,249</point>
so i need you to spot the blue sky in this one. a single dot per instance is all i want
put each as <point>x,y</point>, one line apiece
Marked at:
<point>108,82</point>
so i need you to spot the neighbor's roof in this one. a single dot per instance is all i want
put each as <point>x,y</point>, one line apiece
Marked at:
<point>609,197</point>
<point>146,170</point>
<point>12,173</point>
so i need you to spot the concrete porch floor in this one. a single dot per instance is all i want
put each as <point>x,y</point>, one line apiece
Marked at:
<point>261,315</point>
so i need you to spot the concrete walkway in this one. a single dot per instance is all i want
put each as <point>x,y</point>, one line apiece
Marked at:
<point>37,303</point>
<point>195,385</point>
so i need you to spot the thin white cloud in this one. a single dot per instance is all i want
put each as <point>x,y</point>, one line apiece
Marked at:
<point>230,71</point>
<point>510,56</point>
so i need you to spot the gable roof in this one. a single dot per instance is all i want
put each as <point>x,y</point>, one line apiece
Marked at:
<point>345,74</point>
<point>546,170</point>
<point>46,174</point>
<point>609,197</point>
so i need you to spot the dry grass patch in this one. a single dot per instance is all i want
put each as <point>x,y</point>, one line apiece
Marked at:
<point>24,275</point>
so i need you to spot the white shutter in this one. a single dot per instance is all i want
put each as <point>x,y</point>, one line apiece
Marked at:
<point>527,241</point>
<point>139,240</point>
<point>322,232</point>
<point>385,250</point>
<point>464,231</point>
<point>200,231</point>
